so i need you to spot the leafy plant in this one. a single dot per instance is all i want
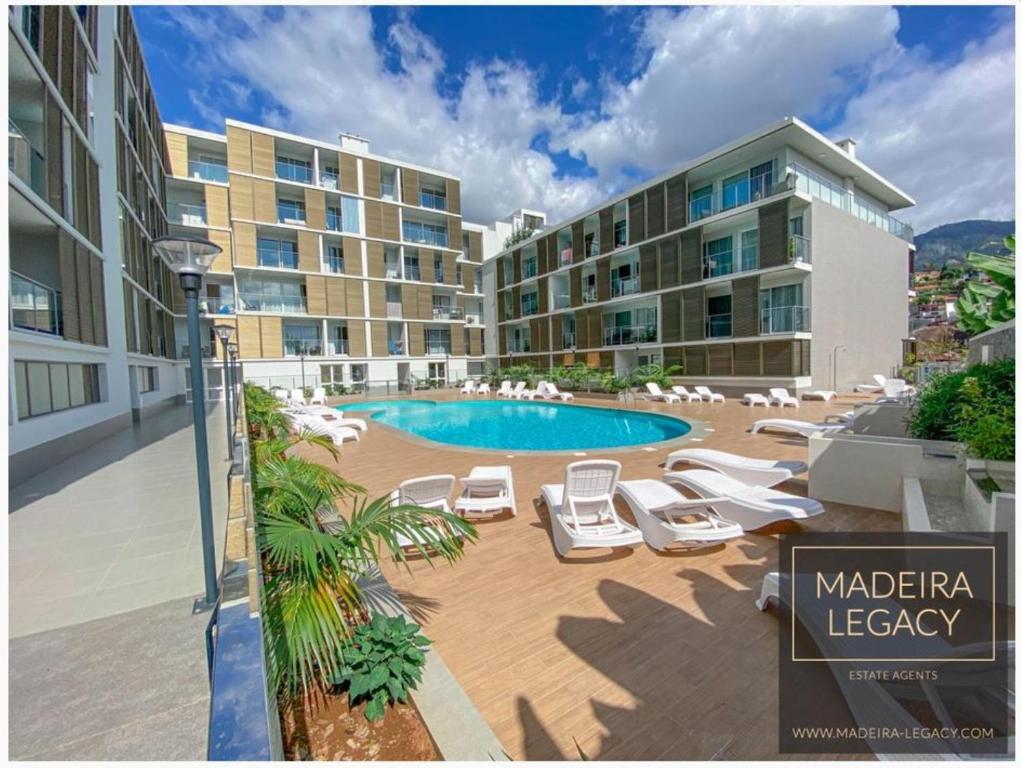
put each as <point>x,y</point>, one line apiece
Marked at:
<point>518,236</point>
<point>383,662</point>
<point>983,306</point>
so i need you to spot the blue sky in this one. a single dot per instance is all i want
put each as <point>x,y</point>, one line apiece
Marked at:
<point>554,108</point>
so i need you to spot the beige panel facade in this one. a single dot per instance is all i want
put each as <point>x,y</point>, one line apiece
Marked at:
<point>315,294</point>
<point>315,209</point>
<point>224,260</point>
<point>249,337</point>
<point>308,251</point>
<point>244,244</point>
<point>263,155</point>
<point>355,298</point>
<point>272,332</point>
<point>239,150</point>
<point>264,197</point>
<point>356,338</point>
<point>217,209</point>
<point>177,152</point>
<point>336,296</point>
<point>348,173</point>
<point>374,255</point>
<point>242,204</point>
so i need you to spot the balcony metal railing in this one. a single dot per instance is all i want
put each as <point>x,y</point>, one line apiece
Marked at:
<point>336,347</point>
<point>328,180</point>
<point>441,312</point>
<point>216,306</point>
<point>277,257</point>
<point>394,309</point>
<point>412,273</point>
<point>799,249</point>
<point>206,171</point>
<point>434,201</point>
<point>289,213</point>
<point>269,302</point>
<point>395,347</point>
<point>333,221</point>
<point>415,232</point>
<point>188,214</point>
<point>624,286</point>
<point>437,347</point>
<point>628,334</point>
<point>35,307</point>
<point>294,172</point>
<point>302,348</point>
<point>24,160</point>
<point>750,191</point>
<point>561,300</point>
<point>792,319</point>
<point>718,325</point>
<point>589,295</point>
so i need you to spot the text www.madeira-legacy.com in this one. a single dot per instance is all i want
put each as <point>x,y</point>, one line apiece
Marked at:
<point>883,732</point>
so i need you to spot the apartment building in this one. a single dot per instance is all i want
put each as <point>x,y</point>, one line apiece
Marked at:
<point>92,334</point>
<point>772,261</point>
<point>338,266</point>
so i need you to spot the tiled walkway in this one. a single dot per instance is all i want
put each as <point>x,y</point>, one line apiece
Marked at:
<point>106,659</point>
<point>630,654</point>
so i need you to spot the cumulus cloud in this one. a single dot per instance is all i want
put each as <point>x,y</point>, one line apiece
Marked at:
<point>703,76</point>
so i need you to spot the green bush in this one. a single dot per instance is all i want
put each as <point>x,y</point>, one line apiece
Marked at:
<point>382,663</point>
<point>974,407</point>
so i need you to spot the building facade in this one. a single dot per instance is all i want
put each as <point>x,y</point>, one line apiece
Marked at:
<point>338,266</point>
<point>773,260</point>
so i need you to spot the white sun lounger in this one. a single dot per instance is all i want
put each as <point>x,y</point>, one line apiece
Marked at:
<point>319,426</point>
<point>819,394</point>
<point>752,471</point>
<point>318,396</point>
<point>803,428</point>
<point>872,389</point>
<point>654,393</point>
<point>331,416</point>
<point>581,510</point>
<point>750,506</point>
<point>282,395</point>
<point>432,492</point>
<point>522,391</point>
<point>298,396</point>
<point>487,490</point>
<point>547,390</point>
<point>483,389</point>
<point>468,388</point>
<point>780,396</point>
<point>685,395</point>
<point>847,417</point>
<point>504,390</point>
<point>709,396</point>
<point>660,511</point>
<point>754,398</point>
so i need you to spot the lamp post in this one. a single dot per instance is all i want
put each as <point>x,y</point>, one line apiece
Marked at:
<point>224,331</point>
<point>232,353</point>
<point>190,258</point>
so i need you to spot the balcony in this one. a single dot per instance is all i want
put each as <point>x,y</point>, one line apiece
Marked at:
<point>447,313</point>
<point>589,295</point>
<point>329,180</point>
<point>624,286</point>
<point>294,171</point>
<point>628,334</point>
<point>561,300</point>
<point>519,345</point>
<point>334,264</point>
<point>301,348</point>
<point>216,306</point>
<point>188,214</point>
<point>798,249</point>
<point>392,270</point>
<point>477,287</point>
<point>432,200</point>
<point>437,347</point>
<point>336,347</point>
<point>530,306</point>
<point>749,191</point>
<point>426,234</point>
<point>568,340</point>
<point>290,212</point>
<point>394,309</point>
<point>395,348</point>
<point>24,160</point>
<point>474,318</point>
<point>274,302</point>
<point>35,307</point>
<point>566,257</point>
<point>785,320</point>
<point>332,221</point>
<point>717,326</point>
<point>205,171</point>
<point>529,269</point>
<point>277,257</point>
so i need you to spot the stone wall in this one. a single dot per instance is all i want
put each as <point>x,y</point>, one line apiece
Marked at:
<point>992,345</point>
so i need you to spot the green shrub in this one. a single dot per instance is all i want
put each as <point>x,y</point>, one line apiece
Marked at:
<point>974,407</point>
<point>382,663</point>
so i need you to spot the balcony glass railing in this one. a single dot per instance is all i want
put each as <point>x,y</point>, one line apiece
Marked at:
<point>799,250</point>
<point>35,307</point>
<point>387,190</point>
<point>335,264</point>
<point>519,345</point>
<point>718,325</point>
<point>394,309</point>
<point>628,334</point>
<point>299,172</point>
<point>530,306</point>
<point>328,180</point>
<point>568,340</point>
<point>437,347</point>
<point>624,286</point>
<point>734,195</point>
<point>188,214</point>
<point>392,270</point>
<point>432,200</point>
<point>302,347</point>
<point>561,300</point>
<point>289,212</point>
<point>269,302</point>
<point>24,160</point>
<point>206,171</point>
<point>216,306</point>
<point>589,295</point>
<point>333,221</point>
<point>278,258</point>
<point>785,320</point>
<point>427,234</point>
<point>412,273</point>
<point>447,313</point>
<point>336,347</point>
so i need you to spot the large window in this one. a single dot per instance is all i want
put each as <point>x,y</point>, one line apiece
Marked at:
<point>438,274</point>
<point>749,250</point>
<point>34,306</point>
<point>291,211</point>
<point>508,270</point>
<point>781,309</point>
<point>620,225</point>
<point>624,279</point>
<point>334,259</point>
<point>437,341</point>
<point>280,254</point>
<point>718,316</point>
<point>529,266</point>
<point>411,269</point>
<point>529,303</point>
<point>329,175</point>
<point>148,380</point>
<point>761,180</point>
<point>349,219</point>
<point>736,191</point>
<point>718,257</point>
<point>700,203</point>
<point>294,170</point>
<point>428,234</point>
<point>434,197</point>
<point>629,326</point>
<point>301,339</point>
<point>43,388</point>
<point>272,296</point>
<point>333,218</point>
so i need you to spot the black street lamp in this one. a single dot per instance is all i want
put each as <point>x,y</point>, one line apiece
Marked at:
<point>232,353</point>
<point>224,331</point>
<point>190,258</point>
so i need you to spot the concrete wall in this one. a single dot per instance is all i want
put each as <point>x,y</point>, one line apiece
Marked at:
<point>992,345</point>
<point>859,298</point>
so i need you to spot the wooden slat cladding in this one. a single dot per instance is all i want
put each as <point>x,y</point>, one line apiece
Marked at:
<point>264,162</point>
<point>536,332</point>
<point>244,244</point>
<point>453,232</point>
<point>249,337</point>
<point>543,295</point>
<point>676,203</point>
<point>575,278</point>
<point>129,317</point>
<point>655,201</point>
<point>516,302</point>
<point>803,357</point>
<point>745,306</point>
<point>578,240</point>
<point>694,314</point>
<point>673,356</point>
<point>308,251</point>
<point>457,344</point>
<point>356,338</point>
<point>747,359</point>
<point>373,219</point>
<point>217,208</point>
<point>671,317</point>
<point>776,358</point>
<point>500,283</point>
<point>336,296</point>
<point>377,334</point>
<point>355,298</point>
<point>177,153</point>
<point>391,221</point>
<point>54,149</point>
<point>773,234</point>
<point>348,173</point>
<point>691,256</point>
<point>371,177</point>
<point>242,199</point>
<point>426,265</point>
<point>264,199</point>
<point>543,264</point>
<point>409,187</point>
<point>315,209</point>
<point>595,328</point>
<point>352,250</point>
<point>86,310</point>
<point>315,294</point>
<point>224,261</point>
<point>694,361</point>
<point>636,218</point>
<point>648,271</point>
<point>69,287</point>
<point>475,246</point>
<point>449,268</point>
<point>454,200</point>
<point>500,313</point>
<point>425,302</point>
<point>516,265</point>
<point>581,329</point>
<point>239,150</point>
<point>416,339</point>
<point>606,229</point>
<point>475,344</point>
<point>721,359</point>
<point>603,280</point>
<point>557,340</point>
<point>272,331</point>
<point>552,254</point>
<point>669,262</point>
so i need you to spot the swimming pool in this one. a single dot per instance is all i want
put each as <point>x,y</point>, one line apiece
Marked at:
<point>524,426</point>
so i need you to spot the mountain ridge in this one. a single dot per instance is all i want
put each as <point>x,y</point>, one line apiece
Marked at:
<point>954,240</point>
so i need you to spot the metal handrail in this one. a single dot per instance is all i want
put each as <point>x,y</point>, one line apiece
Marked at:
<point>792,319</point>
<point>201,169</point>
<point>32,299</point>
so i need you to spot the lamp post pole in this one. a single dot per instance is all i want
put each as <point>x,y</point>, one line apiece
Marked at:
<point>190,258</point>
<point>223,332</point>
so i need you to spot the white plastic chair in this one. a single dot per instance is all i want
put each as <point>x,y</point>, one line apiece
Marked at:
<point>653,392</point>
<point>318,396</point>
<point>780,396</point>
<point>682,392</point>
<point>298,396</point>
<point>505,389</point>
<point>483,389</point>
<point>803,428</point>
<point>755,398</point>
<point>710,396</point>
<point>486,490</point>
<point>432,492</point>
<point>468,388</point>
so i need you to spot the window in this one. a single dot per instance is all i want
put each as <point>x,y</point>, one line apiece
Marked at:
<point>338,340</point>
<point>465,244</point>
<point>30,16</point>
<point>329,176</point>
<point>301,339</point>
<point>529,267</point>
<point>700,203</point>
<point>508,304</point>
<point>620,225</point>
<point>781,309</point>
<point>798,226</point>
<point>280,254</point>
<point>294,170</point>
<point>735,191</point>
<point>761,180</point>
<point>437,341</point>
<point>272,296</point>
<point>589,292</point>
<point>387,182</point>
<point>508,270</point>
<point>34,306</point>
<point>718,317</point>
<point>335,259</point>
<point>718,257</point>
<point>68,163</point>
<point>433,197</point>
<point>43,388</point>
<point>624,279</point>
<point>438,371</point>
<point>349,219</point>
<point>333,218</point>
<point>332,374</point>
<point>422,232</point>
<point>568,331</point>
<point>147,379</point>
<point>519,339</point>
<point>437,268</point>
<point>749,250</point>
<point>529,304</point>
<point>411,270</point>
<point>291,211</point>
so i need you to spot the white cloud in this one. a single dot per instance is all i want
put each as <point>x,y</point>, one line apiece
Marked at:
<point>704,76</point>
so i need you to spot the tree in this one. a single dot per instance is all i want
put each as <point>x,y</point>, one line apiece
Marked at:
<point>519,236</point>
<point>983,305</point>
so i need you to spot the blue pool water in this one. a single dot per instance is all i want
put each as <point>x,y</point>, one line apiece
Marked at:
<point>524,426</point>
